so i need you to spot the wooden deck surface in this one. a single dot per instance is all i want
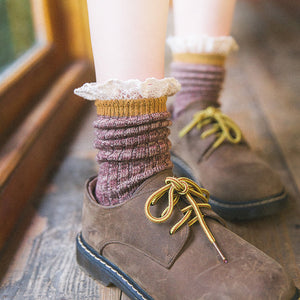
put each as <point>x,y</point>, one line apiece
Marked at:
<point>261,95</point>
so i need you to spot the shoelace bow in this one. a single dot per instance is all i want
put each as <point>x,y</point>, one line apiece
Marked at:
<point>176,188</point>
<point>223,126</point>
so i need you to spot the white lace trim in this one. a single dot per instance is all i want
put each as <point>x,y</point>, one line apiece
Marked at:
<point>202,44</point>
<point>129,89</point>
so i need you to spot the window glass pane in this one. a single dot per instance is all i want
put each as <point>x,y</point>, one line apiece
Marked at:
<point>16,30</point>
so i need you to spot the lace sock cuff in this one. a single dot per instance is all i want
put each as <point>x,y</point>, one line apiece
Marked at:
<point>222,45</point>
<point>130,89</point>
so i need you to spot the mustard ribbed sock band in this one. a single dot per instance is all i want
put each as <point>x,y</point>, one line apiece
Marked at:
<point>198,58</point>
<point>131,107</point>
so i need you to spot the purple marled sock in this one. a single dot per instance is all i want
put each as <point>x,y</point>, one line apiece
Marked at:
<point>198,83</point>
<point>131,149</point>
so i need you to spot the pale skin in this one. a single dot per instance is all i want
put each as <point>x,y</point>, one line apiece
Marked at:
<point>203,17</point>
<point>128,37</point>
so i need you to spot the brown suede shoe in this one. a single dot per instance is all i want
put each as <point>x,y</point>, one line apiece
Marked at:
<point>242,186</point>
<point>120,245</point>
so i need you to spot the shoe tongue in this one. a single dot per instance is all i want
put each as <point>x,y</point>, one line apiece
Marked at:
<point>153,183</point>
<point>157,181</point>
<point>197,146</point>
<point>194,107</point>
<point>199,105</point>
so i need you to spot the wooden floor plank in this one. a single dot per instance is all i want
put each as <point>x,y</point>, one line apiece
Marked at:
<point>44,265</point>
<point>40,262</point>
<point>271,63</point>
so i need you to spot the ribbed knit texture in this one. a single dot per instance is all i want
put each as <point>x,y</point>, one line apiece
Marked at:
<point>198,83</point>
<point>131,107</point>
<point>131,149</point>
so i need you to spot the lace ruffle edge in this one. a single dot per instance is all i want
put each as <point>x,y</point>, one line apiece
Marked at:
<point>130,89</point>
<point>222,45</point>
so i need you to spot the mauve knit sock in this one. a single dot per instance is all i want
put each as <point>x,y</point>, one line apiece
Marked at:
<point>199,82</point>
<point>131,133</point>
<point>131,149</point>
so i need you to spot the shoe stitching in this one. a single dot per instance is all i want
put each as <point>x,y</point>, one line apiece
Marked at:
<point>103,263</point>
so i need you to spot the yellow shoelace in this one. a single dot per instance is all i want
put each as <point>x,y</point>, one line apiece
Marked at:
<point>223,126</point>
<point>177,187</point>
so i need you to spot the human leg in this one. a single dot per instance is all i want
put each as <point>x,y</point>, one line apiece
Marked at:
<point>128,38</point>
<point>200,17</point>
<point>132,137</point>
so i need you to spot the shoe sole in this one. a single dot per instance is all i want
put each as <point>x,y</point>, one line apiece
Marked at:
<point>234,211</point>
<point>104,271</point>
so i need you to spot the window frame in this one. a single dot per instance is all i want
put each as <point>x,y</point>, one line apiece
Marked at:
<point>24,81</point>
<point>38,109</point>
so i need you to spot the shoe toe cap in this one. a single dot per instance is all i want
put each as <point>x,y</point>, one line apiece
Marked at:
<point>242,180</point>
